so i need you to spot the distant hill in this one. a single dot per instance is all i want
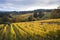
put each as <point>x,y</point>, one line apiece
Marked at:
<point>24,12</point>
<point>43,10</point>
<point>13,16</point>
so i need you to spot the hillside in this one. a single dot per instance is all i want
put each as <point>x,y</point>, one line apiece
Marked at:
<point>23,17</point>
<point>34,30</point>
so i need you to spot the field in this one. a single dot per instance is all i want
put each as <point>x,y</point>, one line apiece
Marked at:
<point>23,16</point>
<point>34,30</point>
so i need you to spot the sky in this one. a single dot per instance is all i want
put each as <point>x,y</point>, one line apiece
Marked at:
<point>25,5</point>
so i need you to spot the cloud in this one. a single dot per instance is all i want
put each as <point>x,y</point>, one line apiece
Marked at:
<point>21,5</point>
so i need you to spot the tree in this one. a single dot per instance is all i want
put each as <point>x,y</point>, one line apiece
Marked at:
<point>38,13</point>
<point>55,13</point>
<point>41,14</point>
<point>31,18</point>
<point>35,14</point>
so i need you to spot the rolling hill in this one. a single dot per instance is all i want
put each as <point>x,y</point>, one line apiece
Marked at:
<point>34,30</point>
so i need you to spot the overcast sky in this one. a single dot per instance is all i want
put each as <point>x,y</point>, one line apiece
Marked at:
<point>24,5</point>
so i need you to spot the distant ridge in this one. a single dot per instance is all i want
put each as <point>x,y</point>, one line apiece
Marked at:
<point>23,12</point>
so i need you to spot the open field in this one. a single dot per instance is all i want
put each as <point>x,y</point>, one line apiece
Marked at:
<point>34,30</point>
<point>24,16</point>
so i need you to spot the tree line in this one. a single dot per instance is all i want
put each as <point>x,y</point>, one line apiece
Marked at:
<point>37,15</point>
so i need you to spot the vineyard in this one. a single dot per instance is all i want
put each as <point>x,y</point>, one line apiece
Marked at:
<point>35,30</point>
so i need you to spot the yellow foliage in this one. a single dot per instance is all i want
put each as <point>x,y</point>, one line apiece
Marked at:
<point>33,28</point>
